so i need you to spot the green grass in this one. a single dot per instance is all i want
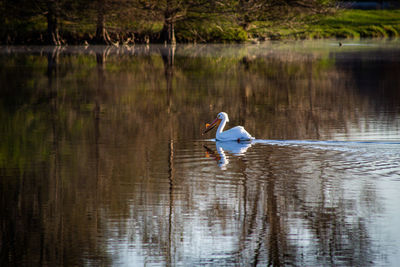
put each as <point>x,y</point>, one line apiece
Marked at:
<point>210,32</point>
<point>343,24</point>
<point>361,23</point>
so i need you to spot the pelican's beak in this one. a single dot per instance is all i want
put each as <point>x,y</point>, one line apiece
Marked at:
<point>211,126</point>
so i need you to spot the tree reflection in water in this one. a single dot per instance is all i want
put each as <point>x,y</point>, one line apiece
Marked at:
<point>101,161</point>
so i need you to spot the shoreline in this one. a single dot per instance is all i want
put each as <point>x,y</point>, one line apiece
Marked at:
<point>343,24</point>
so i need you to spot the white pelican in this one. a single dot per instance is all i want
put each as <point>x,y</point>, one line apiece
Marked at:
<point>237,133</point>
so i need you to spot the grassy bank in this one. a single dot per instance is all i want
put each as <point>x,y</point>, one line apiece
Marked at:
<point>342,24</point>
<point>339,24</point>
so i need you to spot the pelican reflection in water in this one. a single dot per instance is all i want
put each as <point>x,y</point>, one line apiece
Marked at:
<point>232,147</point>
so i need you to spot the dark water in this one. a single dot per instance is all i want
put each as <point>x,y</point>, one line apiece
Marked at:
<point>102,161</point>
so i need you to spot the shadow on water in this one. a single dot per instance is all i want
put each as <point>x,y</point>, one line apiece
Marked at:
<point>99,166</point>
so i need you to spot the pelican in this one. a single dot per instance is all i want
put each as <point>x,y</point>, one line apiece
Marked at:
<point>237,133</point>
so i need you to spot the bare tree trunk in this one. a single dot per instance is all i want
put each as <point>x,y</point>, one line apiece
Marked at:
<point>102,36</point>
<point>53,36</point>
<point>244,7</point>
<point>168,31</point>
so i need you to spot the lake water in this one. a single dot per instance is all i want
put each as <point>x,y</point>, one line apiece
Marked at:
<point>102,160</point>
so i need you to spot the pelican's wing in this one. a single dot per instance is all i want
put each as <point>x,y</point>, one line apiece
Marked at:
<point>235,133</point>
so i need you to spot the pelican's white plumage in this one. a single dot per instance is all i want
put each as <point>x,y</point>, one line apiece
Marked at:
<point>237,133</point>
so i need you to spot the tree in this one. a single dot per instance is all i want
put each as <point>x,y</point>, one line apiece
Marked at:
<point>171,11</point>
<point>120,13</point>
<point>52,14</point>
<point>102,36</point>
<point>250,10</point>
<point>168,11</point>
<point>21,14</point>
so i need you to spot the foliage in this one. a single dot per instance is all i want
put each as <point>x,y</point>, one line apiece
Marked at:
<point>130,21</point>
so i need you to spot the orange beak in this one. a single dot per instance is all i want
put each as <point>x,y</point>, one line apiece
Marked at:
<point>211,126</point>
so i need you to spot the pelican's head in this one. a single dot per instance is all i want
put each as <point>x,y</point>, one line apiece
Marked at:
<point>220,117</point>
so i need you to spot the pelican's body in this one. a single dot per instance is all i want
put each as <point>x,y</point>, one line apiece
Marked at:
<point>237,133</point>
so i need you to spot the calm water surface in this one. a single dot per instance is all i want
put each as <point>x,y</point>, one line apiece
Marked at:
<point>102,161</point>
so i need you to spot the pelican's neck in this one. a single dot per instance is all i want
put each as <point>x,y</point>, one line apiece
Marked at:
<point>221,126</point>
